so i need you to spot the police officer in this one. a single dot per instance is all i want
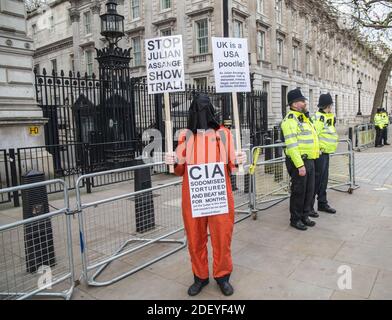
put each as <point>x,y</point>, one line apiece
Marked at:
<point>302,147</point>
<point>324,121</point>
<point>379,124</point>
<point>385,121</point>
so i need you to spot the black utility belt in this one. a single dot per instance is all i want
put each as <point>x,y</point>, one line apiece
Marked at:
<point>304,157</point>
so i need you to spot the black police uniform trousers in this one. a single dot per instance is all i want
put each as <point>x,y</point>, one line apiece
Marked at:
<point>321,180</point>
<point>384,135</point>
<point>302,190</point>
<point>379,134</point>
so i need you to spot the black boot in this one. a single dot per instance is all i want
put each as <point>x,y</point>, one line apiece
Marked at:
<point>298,225</point>
<point>223,283</point>
<point>197,286</point>
<point>327,209</point>
<point>313,214</point>
<point>308,222</point>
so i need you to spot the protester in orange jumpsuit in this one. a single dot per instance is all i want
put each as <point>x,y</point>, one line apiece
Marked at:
<point>205,141</point>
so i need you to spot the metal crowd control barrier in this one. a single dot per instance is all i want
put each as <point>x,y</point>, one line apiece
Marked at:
<point>36,253</point>
<point>365,135</point>
<point>342,169</point>
<point>242,192</point>
<point>271,181</point>
<point>112,228</point>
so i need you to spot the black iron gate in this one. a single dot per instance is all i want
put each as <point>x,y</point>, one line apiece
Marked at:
<point>95,125</point>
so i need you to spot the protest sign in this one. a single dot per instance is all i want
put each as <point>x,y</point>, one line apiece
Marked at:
<point>207,185</point>
<point>231,68</point>
<point>165,73</point>
<point>231,64</point>
<point>165,64</point>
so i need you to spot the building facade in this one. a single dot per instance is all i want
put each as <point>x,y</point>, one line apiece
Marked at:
<point>292,43</point>
<point>21,120</point>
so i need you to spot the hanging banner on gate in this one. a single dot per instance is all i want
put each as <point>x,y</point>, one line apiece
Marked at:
<point>165,64</point>
<point>231,64</point>
<point>207,185</point>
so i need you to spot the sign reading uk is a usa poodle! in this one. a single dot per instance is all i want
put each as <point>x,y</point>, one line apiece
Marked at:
<point>231,64</point>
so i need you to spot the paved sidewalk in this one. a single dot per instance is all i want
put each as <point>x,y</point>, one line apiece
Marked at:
<point>275,261</point>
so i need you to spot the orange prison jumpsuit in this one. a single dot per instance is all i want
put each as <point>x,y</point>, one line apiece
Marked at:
<point>190,151</point>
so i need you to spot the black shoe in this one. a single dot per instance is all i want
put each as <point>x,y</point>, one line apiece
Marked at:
<point>197,286</point>
<point>226,288</point>
<point>387,144</point>
<point>298,225</point>
<point>379,146</point>
<point>313,214</point>
<point>327,209</point>
<point>308,222</point>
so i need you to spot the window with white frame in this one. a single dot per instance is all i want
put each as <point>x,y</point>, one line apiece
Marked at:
<point>200,82</point>
<point>260,6</point>
<point>87,22</point>
<point>51,24</point>
<point>260,45</point>
<point>165,4</point>
<point>319,63</point>
<point>53,63</point>
<point>307,29</point>
<point>72,61</point>
<point>294,17</point>
<point>308,62</point>
<point>89,62</point>
<point>279,51</point>
<point>278,10</point>
<point>202,36</point>
<point>135,9</point>
<point>295,57</point>
<point>166,32</point>
<point>238,29</point>
<point>137,51</point>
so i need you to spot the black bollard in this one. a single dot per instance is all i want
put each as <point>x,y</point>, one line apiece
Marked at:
<point>38,236</point>
<point>144,203</point>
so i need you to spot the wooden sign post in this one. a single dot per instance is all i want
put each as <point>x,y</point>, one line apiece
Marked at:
<point>231,69</point>
<point>237,128</point>
<point>165,73</point>
<point>168,127</point>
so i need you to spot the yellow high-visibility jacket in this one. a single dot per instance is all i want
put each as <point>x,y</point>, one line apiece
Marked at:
<point>324,124</point>
<point>385,119</point>
<point>378,120</point>
<point>300,138</point>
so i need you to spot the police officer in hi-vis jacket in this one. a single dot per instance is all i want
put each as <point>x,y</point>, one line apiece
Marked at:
<point>324,121</point>
<point>302,148</point>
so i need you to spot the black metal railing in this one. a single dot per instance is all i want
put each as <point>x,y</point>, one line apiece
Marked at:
<point>5,180</point>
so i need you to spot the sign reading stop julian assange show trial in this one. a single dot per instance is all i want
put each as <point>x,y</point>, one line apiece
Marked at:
<point>231,65</point>
<point>165,64</point>
<point>207,185</point>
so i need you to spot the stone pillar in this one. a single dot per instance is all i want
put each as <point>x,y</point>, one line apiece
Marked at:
<point>96,21</point>
<point>75,18</point>
<point>21,120</point>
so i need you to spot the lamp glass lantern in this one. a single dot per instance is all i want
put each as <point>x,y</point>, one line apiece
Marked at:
<point>112,23</point>
<point>359,84</point>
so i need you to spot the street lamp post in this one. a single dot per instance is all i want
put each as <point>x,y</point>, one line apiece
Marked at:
<point>359,86</point>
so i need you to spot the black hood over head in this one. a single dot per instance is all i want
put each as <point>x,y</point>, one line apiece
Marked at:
<point>202,114</point>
